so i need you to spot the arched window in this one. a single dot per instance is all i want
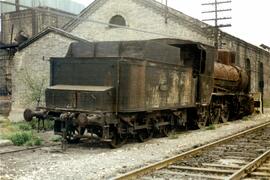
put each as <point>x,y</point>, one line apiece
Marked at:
<point>248,69</point>
<point>260,75</point>
<point>118,20</point>
<point>247,64</point>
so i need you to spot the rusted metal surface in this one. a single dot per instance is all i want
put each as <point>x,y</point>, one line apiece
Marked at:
<point>147,86</point>
<point>226,72</point>
<point>230,77</point>
<point>147,50</point>
<point>226,56</point>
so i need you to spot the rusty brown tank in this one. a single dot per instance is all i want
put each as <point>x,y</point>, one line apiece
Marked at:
<point>230,77</point>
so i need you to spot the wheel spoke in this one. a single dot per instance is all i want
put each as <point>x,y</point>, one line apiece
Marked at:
<point>165,131</point>
<point>73,133</point>
<point>145,135</point>
<point>203,117</point>
<point>118,140</point>
<point>224,115</point>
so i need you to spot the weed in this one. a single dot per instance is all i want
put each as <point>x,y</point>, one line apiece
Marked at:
<point>35,141</point>
<point>19,133</point>
<point>173,135</point>
<point>56,138</point>
<point>246,118</point>
<point>20,138</point>
<point>24,126</point>
<point>211,127</point>
<point>48,125</point>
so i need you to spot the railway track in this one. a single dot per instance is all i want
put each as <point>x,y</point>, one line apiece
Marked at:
<point>243,155</point>
<point>26,149</point>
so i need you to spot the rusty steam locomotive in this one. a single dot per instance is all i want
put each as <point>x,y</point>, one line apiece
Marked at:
<point>136,88</point>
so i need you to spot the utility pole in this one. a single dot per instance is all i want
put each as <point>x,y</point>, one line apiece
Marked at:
<point>216,9</point>
<point>17,2</point>
<point>166,11</point>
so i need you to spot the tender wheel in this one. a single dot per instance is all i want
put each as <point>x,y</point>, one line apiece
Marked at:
<point>214,115</point>
<point>73,133</point>
<point>147,133</point>
<point>165,131</point>
<point>118,140</point>
<point>203,117</point>
<point>224,113</point>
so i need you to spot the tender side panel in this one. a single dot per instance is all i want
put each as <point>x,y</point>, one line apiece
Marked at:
<point>147,86</point>
<point>81,100</point>
<point>79,71</point>
<point>132,86</point>
<point>83,84</point>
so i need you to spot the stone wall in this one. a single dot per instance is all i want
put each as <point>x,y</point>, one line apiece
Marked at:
<point>30,22</point>
<point>137,16</point>
<point>31,71</point>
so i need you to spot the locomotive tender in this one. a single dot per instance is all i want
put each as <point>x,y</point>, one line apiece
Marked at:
<point>119,89</point>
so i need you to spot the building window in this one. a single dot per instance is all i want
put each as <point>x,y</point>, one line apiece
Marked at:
<point>261,76</point>
<point>248,69</point>
<point>118,20</point>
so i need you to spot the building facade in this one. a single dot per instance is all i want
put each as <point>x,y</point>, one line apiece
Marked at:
<point>30,22</point>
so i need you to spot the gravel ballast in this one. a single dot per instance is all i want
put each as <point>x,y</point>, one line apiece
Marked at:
<point>100,162</point>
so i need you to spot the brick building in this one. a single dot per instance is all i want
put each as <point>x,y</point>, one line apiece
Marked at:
<point>31,22</point>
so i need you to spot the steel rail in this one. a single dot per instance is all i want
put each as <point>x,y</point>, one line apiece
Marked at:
<point>164,163</point>
<point>27,149</point>
<point>244,171</point>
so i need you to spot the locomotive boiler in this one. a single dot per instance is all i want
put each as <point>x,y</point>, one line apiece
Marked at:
<point>114,90</point>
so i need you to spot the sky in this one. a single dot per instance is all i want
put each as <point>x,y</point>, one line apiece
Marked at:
<point>250,18</point>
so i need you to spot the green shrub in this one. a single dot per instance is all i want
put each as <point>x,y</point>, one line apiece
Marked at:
<point>56,138</point>
<point>24,127</point>
<point>35,141</point>
<point>20,138</point>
